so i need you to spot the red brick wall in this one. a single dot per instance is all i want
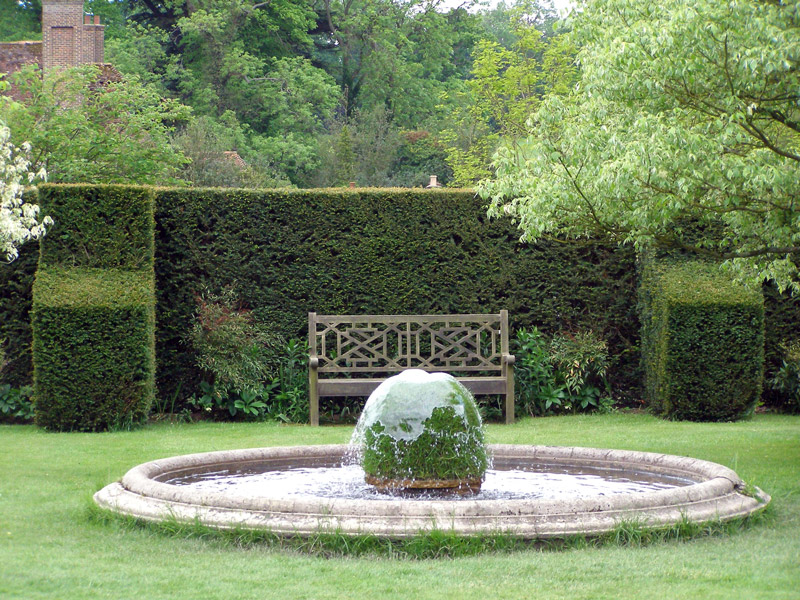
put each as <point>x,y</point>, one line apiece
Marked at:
<point>13,55</point>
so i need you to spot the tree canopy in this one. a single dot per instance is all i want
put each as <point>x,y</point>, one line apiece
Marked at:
<point>419,87</point>
<point>85,131</point>
<point>686,118</point>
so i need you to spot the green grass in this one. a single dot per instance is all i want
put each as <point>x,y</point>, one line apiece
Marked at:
<point>53,546</point>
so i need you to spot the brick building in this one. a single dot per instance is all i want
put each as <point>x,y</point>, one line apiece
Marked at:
<point>69,38</point>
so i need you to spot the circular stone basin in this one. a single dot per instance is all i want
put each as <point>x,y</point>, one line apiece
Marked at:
<point>702,491</point>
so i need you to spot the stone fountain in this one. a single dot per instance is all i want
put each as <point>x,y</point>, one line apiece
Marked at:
<point>422,431</point>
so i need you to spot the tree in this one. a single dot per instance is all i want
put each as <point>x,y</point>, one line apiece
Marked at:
<point>84,130</point>
<point>506,85</point>
<point>392,53</point>
<point>686,113</point>
<point>19,220</point>
<point>20,20</point>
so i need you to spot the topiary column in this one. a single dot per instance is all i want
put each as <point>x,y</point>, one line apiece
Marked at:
<point>93,314</point>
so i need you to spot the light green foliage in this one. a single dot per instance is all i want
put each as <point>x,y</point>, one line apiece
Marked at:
<point>139,50</point>
<point>506,84</point>
<point>685,112</point>
<point>83,131</point>
<point>242,62</point>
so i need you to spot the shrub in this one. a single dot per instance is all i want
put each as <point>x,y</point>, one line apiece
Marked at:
<point>288,399</point>
<point>537,392</point>
<point>702,342</point>
<point>581,362</point>
<point>16,404</point>
<point>785,383</point>
<point>237,351</point>
<point>93,347</point>
<point>567,373</point>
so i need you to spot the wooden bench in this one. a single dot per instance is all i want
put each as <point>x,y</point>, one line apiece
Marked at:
<point>350,355</point>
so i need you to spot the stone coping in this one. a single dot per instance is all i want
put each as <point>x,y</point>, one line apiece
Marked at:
<point>717,494</point>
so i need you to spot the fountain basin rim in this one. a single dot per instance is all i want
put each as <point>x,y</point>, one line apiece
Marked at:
<point>716,494</point>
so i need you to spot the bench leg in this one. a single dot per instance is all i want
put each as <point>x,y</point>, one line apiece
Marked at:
<point>313,398</point>
<point>509,395</point>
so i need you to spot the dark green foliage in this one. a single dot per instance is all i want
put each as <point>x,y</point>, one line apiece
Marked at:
<point>282,397</point>
<point>702,342</point>
<point>93,313</point>
<point>93,348</point>
<point>98,226</point>
<point>237,352</point>
<point>785,383</point>
<point>16,280</point>
<point>382,251</point>
<point>451,446</point>
<point>16,404</point>
<point>782,328</point>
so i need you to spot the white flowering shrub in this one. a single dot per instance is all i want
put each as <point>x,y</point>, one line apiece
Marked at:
<point>19,220</point>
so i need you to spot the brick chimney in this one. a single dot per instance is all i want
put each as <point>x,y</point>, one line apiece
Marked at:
<point>68,38</point>
<point>434,182</point>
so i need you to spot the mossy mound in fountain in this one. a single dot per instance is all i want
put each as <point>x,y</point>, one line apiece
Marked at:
<point>422,430</point>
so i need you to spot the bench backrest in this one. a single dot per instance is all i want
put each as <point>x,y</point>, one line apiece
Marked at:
<point>392,343</point>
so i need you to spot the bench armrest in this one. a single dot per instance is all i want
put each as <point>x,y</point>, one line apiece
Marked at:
<point>313,362</point>
<point>509,359</point>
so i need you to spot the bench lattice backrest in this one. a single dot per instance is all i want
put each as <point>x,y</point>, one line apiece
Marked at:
<point>392,343</point>
<point>349,355</point>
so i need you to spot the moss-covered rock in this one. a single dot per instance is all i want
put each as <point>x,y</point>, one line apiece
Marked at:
<point>420,429</point>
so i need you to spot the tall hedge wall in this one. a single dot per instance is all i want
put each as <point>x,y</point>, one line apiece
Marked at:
<point>376,251</point>
<point>702,342</point>
<point>93,313</point>
<point>287,252</point>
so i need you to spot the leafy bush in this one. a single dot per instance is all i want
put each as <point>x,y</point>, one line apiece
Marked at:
<point>254,374</point>
<point>581,363</point>
<point>786,380</point>
<point>16,404</point>
<point>239,355</point>
<point>567,373</point>
<point>288,399</point>
<point>235,349</point>
<point>537,392</point>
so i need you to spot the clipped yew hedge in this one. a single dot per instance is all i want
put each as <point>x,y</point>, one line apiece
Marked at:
<point>286,252</point>
<point>379,251</point>
<point>93,312</point>
<point>93,348</point>
<point>702,342</point>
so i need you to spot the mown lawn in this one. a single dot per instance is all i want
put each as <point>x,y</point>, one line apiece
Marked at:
<point>50,547</point>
